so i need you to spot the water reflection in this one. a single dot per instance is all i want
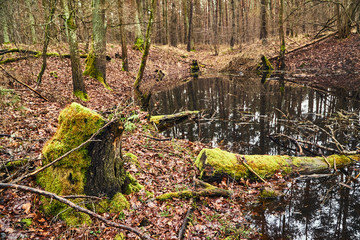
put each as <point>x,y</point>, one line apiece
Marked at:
<point>313,209</point>
<point>243,112</point>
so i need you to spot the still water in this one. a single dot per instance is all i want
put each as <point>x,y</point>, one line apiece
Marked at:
<point>240,113</point>
<point>313,208</point>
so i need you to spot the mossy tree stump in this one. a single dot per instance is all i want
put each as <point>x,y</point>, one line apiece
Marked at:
<point>96,169</point>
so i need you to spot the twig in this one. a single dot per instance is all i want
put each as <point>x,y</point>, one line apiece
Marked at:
<point>64,155</point>
<point>84,196</point>
<point>243,161</point>
<point>185,223</point>
<point>74,206</point>
<point>10,136</point>
<point>157,139</point>
<point>24,84</point>
<point>327,162</point>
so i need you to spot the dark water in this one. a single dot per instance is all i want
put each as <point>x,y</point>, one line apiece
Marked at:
<point>313,209</point>
<point>241,113</point>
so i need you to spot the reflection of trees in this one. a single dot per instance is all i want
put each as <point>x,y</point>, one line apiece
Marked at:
<point>245,111</point>
<point>303,215</point>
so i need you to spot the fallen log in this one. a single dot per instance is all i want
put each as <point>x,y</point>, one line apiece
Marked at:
<point>164,122</point>
<point>214,164</point>
<point>206,190</point>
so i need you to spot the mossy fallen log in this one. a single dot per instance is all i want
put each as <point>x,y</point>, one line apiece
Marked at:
<point>206,190</point>
<point>164,122</point>
<point>214,164</point>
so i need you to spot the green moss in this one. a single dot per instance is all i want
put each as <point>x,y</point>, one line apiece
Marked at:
<point>9,60</point>
<point>170,195</point>
<point>81,95</point>
<point>27,222</point>
<point>120,236</point>
<point>133,186</point>
<point>71,23</point>
<point>268,193</point>
<point>53,74</point>
<point>132,158</point>
<point>68,176</point>
<point>139,44</point>
<point>158,118</point>
<point>118,203</point>
<point>92,71</point>
<point>215,162</point>
<point>222,162</point>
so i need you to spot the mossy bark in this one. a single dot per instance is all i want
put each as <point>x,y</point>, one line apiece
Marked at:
<point>46,41</point>
<point>215,164</point>
<point>164,122</point>
<point>79,89</point>
<point>146,48</point>
<point>96,169</point>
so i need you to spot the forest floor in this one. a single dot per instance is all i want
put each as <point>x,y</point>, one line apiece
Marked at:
<point>27,122</point>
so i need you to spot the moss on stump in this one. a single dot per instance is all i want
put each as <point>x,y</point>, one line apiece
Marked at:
<point>95,169</point>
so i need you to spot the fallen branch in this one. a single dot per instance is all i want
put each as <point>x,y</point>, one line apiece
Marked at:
<point>24,84</point>
<point>75,207</point>
<point>185,223</point>
<point>207,190</point>
<point>242,160</point>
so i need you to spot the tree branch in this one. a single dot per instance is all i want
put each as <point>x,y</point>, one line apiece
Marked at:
<point>74,206</point>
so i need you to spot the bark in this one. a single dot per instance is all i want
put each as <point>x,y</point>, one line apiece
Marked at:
<point>173,26</point>
<point>263,28</point>
<point>215,28</point>
<point>124,53</point>
<point>79,89</point>
<point>281,36</point>
<point>146,48</point>
<point>4,14</point>
<point>99,36</point>
<point>215,164</point>
<point>188,48</point>
<point>46,41</point>
<point>106,174</point>
<point>165,22</point>
<point>164,122</point>
<point>31,20</point>
<point>206,190</point>
<point>232,39</point>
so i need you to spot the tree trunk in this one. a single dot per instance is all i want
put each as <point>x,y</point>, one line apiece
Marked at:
<point>165,22</point>
<point>99,36</point>
<point>124,54</point>
<point>32,21</point>
<point>4,14</point>
<point>173,25</point>
<point>188,48</point>
<point>281,36</point>
<point>146,48</point>
<point>52,6</point>
<point>263,28</point>
<point>79,89</point>
<point>215,28</point>
<point>232,39</point>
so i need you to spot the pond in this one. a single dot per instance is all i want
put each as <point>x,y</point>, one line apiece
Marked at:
<point>313,208</point>
<point>240,113</point>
